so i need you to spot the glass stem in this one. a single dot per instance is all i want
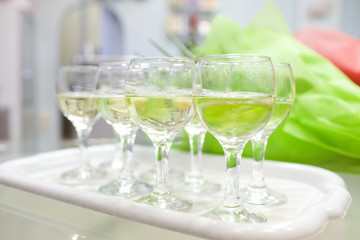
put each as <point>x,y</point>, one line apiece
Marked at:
<point>162,168</point>
<point>83,136</point>
<point>259,146</point>
<point>117,162</point>
<point>196,144</point>
<point>126,146</point>
<point>232,190</point>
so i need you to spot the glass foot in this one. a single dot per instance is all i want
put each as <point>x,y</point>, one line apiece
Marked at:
<point>262,196</point>
<point>80,175</point>
<point>149,176</point>
<point>126,187</point>
<point>112,165</point>
<point>198,188</point>
<point>85,179</point>
<point>168,201</point>
<point>238,214</point>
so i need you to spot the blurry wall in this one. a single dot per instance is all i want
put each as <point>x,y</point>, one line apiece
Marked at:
<point>10,68</point>
<point>141,20</point>
<point>351,18</point>
<point>47,22</point>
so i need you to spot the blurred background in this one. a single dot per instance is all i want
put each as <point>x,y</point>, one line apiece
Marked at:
<point>39,36</point>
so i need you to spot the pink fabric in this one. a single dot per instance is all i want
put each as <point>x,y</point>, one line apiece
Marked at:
<point>341,49</point>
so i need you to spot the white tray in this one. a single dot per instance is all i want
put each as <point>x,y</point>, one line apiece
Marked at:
<point>315,195</point>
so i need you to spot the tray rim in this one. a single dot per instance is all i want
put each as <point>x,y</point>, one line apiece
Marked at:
<point>312,221</point>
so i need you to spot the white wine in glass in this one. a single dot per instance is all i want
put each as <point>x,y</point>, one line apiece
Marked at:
<point>233,98</point>
<point>159,100</point>
<point>110,97</point>
<point>78,107</point>
<point>75,88</point>
<point>258,192</point>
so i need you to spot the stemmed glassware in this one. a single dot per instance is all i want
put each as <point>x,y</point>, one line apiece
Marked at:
<point>233,98</point>
<point>194,182</point>
<point>110,99</point>
<point>159,100</point>
<point>75,96</point>
<point>257,192</point>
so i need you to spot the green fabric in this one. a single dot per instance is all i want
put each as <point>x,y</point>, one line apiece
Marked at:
<point>324,126</point>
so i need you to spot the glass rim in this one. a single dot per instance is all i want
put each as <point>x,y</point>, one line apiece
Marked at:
<point>262,58</point>
<point>163,59</point>
<point>78,67</point>
<point>281,64</point>
<point>115,64</point>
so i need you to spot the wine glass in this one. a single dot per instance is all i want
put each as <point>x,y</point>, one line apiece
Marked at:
<point>233,98</point>
<point>257,192</point>
<point>194,182</point>
<point>159,100</point>
<point>75,96</point>
<point>110,100</point>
